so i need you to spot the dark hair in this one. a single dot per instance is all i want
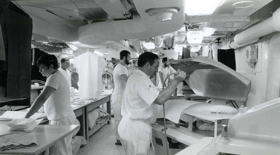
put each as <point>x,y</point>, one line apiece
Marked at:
<point>124,53</point>
<point>164,59</point>
<point>63,60</point>
<point>47,60</point>
<point>147,57</point>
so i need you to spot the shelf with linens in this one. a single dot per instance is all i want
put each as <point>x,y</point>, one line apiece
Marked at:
<point>83,113</point>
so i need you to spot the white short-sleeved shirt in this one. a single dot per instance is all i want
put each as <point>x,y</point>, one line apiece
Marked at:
<point>138,98</point>
<point>58,105</point>
<point>67,75</point>
<point>118,81</point>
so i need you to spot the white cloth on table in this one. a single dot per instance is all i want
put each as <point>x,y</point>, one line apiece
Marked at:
<point>10,115</point>
<point>24,124</point>
<point>90,68</point>
<point>17,141</point>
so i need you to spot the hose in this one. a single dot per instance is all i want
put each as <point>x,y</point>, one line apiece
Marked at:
<point>164,120</point>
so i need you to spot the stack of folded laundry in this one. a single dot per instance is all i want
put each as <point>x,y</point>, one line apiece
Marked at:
<point>20,136</point>
<point>23,124</point>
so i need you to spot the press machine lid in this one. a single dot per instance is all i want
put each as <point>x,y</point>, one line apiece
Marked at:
<point>210,78</point>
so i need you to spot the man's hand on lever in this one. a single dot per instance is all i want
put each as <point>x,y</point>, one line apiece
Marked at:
<point>180,76</point>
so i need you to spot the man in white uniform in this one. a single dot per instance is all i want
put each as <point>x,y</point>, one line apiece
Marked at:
<point>120,75</point>
<point>139,109</point>
<point>64,70</point>
<point>164,71</point>
<point>56,99</point>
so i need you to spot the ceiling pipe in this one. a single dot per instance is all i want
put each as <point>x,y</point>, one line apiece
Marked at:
<point>253,33</point>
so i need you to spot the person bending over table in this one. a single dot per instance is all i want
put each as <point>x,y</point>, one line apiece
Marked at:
<point>55,97</point>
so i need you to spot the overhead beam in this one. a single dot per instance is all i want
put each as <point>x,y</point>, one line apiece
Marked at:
<point>266,11</point>
<point>217,18</point>
<point>116,13</point>
<point>226,29</point>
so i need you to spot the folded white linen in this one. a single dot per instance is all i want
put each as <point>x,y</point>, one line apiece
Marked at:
<point>97,116</point>
<point>22,124</point>
<point>17,140</point>
<point>10,115</point>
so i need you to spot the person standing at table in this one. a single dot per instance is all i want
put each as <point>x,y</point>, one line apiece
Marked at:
<point>74,76</point>
<point>164,71</point>
<point>120,76</point>
<point>56,100</point>
<point>64,70</point>
<point>139,107</point>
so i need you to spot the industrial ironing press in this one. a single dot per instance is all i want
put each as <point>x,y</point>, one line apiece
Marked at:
<point>253,131</point>
<point>210,79</point>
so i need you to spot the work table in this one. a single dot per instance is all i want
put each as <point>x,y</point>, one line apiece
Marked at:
<point>47,136</point>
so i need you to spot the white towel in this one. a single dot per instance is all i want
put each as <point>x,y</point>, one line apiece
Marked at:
<point>97,116</point>
<point>17,141</point>
<point>10,115</point>
<point>22,124</point>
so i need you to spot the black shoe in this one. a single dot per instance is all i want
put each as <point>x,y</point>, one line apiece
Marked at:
<point>118,142</point>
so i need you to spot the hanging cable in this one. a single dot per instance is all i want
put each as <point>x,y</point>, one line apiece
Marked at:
<point>164,120</point>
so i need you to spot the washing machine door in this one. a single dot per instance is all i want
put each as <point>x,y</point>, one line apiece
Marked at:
<point>107,78</point>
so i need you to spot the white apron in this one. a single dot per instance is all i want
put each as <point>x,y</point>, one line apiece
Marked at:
<point>64,147</point>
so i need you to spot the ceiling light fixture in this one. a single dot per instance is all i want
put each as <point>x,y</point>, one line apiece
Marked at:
<point>163,14</point>
<point>180,38</point>
<point>208,31</point>
<point>195,48</point>
<point>201,7</point>
<point>243,4</point>
<point>149,45</point>
<point>194,37</point>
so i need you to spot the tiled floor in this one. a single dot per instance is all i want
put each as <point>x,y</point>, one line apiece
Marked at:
<point>103,143</point>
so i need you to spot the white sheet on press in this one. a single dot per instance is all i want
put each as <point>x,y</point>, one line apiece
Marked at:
<point>10,115</point>
<point>174,108</point>
<point>211,112</point>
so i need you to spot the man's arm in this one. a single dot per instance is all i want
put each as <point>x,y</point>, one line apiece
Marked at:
<point>74,80</point>
<point>124,77</point>
<point>165,94</point>
<point>40,100</point>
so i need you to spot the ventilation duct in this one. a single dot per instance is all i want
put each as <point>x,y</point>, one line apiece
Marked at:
<point>253,34</point>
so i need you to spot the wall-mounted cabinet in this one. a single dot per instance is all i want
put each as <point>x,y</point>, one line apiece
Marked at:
<point>15,65</point>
